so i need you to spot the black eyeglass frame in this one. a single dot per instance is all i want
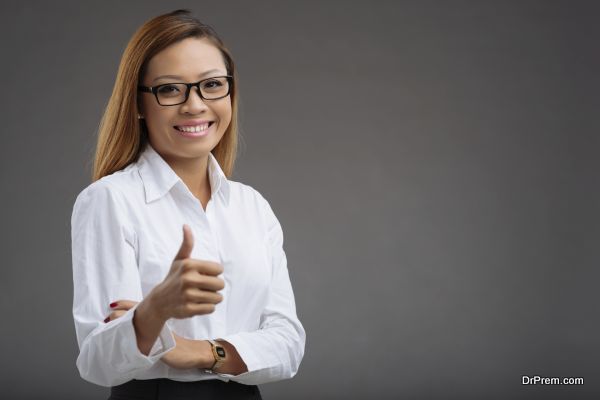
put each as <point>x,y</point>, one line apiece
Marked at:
<point>154,89</point>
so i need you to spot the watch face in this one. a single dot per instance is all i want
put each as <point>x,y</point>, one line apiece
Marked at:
<point>221,351</point>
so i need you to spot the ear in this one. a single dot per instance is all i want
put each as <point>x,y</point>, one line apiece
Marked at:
<point>140,106</point>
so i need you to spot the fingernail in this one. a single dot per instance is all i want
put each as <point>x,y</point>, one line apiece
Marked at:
<point>113,304</point>
<point>107,319</point>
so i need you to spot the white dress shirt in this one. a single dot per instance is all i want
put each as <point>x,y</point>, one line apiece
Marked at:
<point>126,231</point>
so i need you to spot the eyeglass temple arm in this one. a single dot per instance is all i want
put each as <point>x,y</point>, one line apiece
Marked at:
<point>146,89</point>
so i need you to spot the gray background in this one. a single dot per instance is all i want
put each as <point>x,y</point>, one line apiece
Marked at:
<point>433,164</point>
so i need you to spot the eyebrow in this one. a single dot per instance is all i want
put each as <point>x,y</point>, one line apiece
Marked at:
<point>210,71</point>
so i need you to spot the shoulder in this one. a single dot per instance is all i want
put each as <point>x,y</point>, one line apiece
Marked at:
<point>113,189</point>
<point>252,201</point>
<point>246,195</point>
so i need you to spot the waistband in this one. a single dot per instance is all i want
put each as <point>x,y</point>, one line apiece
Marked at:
<point>163,389</point>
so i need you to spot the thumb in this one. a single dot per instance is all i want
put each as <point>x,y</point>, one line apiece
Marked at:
<point>185,251</point>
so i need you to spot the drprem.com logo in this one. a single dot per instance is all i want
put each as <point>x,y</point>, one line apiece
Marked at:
<point>540,380</point>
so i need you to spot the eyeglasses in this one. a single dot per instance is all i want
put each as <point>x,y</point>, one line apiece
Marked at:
<point>172,94</point>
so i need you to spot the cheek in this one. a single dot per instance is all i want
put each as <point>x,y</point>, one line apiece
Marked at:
<point>225,114</point>
<point>157,121</point>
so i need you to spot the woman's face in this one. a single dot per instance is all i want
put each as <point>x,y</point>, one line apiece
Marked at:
<point>180,132</point>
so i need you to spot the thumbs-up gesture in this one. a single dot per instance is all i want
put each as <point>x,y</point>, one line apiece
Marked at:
<point>190,288</point>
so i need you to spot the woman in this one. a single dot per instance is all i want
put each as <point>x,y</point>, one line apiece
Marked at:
<point>180,279</point>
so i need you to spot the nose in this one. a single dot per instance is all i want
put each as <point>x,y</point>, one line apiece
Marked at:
<point>194,103</point>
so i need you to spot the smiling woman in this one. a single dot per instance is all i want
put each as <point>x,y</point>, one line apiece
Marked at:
<point>180,277</point>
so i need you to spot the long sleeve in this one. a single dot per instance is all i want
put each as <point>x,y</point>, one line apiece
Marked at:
<point>275,350</point>
<point>105,270</point>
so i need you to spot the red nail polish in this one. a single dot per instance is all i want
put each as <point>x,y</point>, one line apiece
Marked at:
<point>113,304</point>
<point>107,319</point>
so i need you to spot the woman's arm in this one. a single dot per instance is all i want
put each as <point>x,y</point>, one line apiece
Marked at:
<point>147,325</point>
<point>188,353</point>
<point>275,350</point>
<point>105,268</point>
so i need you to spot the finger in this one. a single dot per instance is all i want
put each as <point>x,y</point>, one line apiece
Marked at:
<point>122,304</point>
<point>199,309</point>
<point>203,296</point>
<point>204,267</point>
<point>114,315</point>
<point>204,282</point>
<point>185,251</point>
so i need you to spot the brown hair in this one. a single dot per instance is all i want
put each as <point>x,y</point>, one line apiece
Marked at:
<point>121,135</point>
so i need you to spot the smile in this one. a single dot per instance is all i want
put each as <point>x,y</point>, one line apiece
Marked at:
<point>200,129</point>
<point>194,128</point>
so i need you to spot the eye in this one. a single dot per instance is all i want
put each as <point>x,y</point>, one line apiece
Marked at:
<point>168,90</point>
<point>212,84</point>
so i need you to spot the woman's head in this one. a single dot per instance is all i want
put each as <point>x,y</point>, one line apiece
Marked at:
<point>177,45</point>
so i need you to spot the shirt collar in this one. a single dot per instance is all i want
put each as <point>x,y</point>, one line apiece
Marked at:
<point>159,178</point>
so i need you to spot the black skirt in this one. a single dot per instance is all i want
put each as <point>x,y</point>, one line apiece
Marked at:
<point>167,389</point>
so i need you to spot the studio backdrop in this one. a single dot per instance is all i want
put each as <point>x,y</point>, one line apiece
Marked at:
<point>433,164</point>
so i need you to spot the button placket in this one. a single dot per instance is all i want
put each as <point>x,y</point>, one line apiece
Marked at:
<point>206,248</point>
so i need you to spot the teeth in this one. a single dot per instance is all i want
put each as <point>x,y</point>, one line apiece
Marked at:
<point>197,128</point>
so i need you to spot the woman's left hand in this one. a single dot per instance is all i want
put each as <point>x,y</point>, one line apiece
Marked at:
<point>187,353</point>
<point>119,308</point>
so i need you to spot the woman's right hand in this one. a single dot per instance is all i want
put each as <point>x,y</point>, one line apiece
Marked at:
<point>191,286</point>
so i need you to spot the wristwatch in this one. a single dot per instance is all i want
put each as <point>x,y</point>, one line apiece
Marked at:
<point>219,353</point>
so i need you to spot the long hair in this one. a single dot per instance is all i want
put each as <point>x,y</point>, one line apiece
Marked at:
<point>121,135</point>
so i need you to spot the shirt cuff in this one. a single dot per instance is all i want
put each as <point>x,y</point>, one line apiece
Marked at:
<point>164,343</point>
